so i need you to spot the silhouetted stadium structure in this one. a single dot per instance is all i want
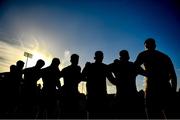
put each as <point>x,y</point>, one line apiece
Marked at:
<point>21,97</point>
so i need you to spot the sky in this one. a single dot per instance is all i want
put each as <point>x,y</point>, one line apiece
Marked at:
<point>59,28</point>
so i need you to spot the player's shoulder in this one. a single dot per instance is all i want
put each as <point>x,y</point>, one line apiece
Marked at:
<point>105,66</point>
<point>131,63</point>
<point>163,55</point>
<point>79,67</point>
<point>66,68</point>
<point>144,52</point>
<point>27,69</point>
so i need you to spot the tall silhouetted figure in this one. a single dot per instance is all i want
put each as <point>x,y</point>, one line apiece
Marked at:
<point>31,76</point>
<point>10,89</point>
<point>161,79</point>
<point>51,82</point>
<point>19,83</point>
<point>12,92</point>
<point>19,65</point>
<point>72,77</point>
<point>7,93</point>
<point>95,74</point>
<point>125,73</point>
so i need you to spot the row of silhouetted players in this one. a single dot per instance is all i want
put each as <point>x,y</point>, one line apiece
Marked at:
<point>21,97</point>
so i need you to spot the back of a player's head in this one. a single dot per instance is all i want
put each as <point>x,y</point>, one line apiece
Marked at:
<point>124,55</point>
<point>150,44</point>
<point>20,64</point>
<point>99,56</point>
<point>55,62</point>
<point>13,68</point>
<point>74,59</point>
<point>40,63</point>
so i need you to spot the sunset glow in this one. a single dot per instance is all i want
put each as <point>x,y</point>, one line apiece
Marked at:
<point>60,28</point>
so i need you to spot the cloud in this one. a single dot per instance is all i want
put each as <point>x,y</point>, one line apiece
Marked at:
<point>12,50</point>
<point>65,61</point>
<point>10,53</point>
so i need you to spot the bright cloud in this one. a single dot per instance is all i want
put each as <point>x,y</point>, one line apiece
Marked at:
<point>9,55</point>
<point>65,60</point>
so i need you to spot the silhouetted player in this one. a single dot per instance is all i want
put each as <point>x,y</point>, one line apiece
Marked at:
<point>19,66</point>
<point>31,76</point>
<point>7,92</point>
<point>10,88</point>
<point>161,79</point>
<point>50,77</point>
<point>72,77</point>
<point>16,82</point>
<point>95,74</point>
<point>19,79</point>
<point>51,83</point>
<point>125,73</point>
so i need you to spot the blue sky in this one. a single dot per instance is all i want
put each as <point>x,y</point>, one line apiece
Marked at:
<point>84,26</point>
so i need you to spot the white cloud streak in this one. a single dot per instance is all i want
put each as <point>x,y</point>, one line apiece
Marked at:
<point>65,61</point>
<point>9,55</point>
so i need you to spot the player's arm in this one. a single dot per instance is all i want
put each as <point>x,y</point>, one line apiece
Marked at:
<point>85,71</point>
<point>110,76</point>
<point>173,77</point>
<point>138,63</point>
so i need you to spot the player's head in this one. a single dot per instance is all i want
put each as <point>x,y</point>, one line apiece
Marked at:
<point>20,64</point>
<point>124,55</point>
<point>99,56</point>
<point>74,59</point>
<point>55,62</point>
<point>40,63</point>
<point>150,44</point>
